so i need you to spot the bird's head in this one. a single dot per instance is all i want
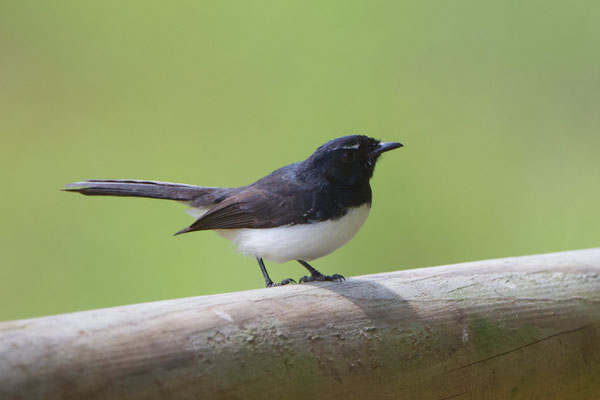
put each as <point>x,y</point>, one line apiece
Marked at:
<point>349,160</point>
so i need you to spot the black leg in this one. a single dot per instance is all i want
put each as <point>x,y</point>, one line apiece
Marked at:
<point>261,264</point>
<point>317,276</point>
<point>268,280</point>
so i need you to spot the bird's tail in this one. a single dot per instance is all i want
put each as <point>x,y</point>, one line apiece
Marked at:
<point>134,188</point>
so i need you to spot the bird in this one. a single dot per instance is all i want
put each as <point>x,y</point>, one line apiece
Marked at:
<point>302,211</point>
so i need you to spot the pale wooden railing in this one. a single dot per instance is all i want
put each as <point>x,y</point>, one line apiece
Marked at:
<point>523,328</point>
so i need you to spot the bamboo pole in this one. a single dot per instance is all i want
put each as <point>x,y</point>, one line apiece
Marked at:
<point>524,327</point>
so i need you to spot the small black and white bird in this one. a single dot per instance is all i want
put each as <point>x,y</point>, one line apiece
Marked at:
<point>302,211</point>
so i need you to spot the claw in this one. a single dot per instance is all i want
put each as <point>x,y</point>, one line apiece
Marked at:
<point>322,278</point>
<point>282,283</point>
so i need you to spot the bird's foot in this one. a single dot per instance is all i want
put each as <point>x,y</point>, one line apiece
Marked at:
<point>319,277</point>
<point>282,283</point>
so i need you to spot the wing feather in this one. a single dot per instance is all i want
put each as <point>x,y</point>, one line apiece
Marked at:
<point>253,208</point>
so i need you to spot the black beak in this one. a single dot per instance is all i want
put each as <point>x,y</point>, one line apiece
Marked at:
<point>383,147</point>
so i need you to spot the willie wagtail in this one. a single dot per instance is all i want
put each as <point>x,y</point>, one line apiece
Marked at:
<point>302,211</point>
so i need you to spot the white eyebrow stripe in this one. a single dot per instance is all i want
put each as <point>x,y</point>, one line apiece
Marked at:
<point>352,147</point>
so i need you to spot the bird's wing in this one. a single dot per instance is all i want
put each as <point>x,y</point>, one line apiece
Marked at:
<point>255,208</point>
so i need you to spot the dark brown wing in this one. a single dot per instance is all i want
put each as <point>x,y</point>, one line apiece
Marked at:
<point>255,208</point>
<point>228,216</point>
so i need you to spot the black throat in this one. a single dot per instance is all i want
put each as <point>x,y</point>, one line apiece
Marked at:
<point>329,200</point>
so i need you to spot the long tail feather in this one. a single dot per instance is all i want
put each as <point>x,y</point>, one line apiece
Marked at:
<point>135,188</point>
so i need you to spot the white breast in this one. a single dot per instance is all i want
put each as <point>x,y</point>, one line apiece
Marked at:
<point>298,242</point>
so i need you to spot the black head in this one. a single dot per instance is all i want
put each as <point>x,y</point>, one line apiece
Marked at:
<point>349,160</point>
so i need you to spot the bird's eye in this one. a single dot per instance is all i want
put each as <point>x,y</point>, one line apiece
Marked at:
<point>348,156</point>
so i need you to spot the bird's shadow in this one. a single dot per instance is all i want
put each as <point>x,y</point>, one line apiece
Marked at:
<point>375,300</point>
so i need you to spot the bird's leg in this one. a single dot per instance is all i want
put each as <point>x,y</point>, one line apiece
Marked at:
<point>317,276</point>
<point>268,280</point>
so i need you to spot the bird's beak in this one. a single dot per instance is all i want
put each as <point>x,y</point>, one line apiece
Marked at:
<point>383,147</point>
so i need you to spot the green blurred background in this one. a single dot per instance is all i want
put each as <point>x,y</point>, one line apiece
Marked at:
<point>497,103</point>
